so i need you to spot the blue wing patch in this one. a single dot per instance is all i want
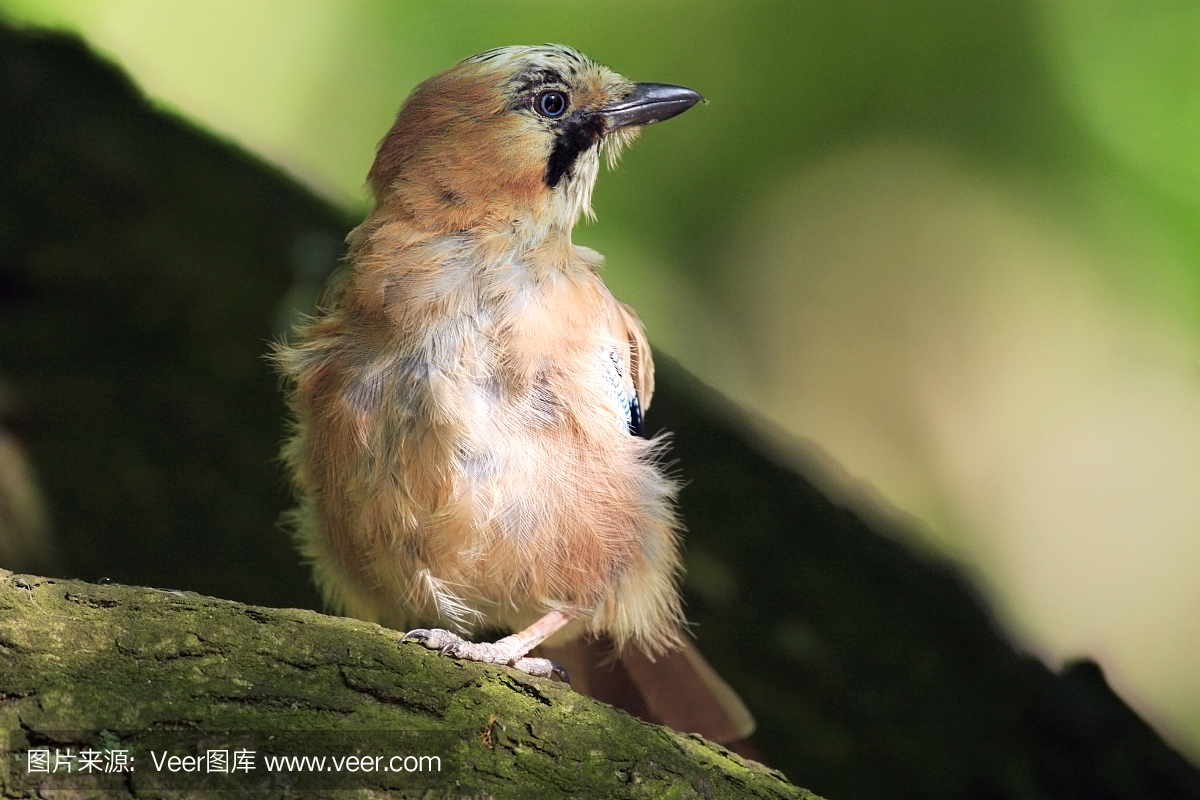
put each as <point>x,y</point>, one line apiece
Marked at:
<point>625,399</point>
<point>636,426</point>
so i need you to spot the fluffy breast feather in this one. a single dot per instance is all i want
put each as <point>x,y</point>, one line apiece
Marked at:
<point>491,476</point>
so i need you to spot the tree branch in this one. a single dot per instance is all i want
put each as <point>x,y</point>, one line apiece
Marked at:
<point>113,668</point>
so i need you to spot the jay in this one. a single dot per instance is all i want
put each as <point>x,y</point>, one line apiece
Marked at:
<point>468,442</point>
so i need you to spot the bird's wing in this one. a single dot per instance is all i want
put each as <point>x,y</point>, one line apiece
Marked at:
<point>641,361</point>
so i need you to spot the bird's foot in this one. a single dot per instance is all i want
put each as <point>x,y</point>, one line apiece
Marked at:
<point>510,650</point>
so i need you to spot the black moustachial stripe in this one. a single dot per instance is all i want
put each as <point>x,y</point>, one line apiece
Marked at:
<point>574,136</point>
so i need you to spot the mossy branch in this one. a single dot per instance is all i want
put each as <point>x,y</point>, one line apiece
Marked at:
<point>109,667</point>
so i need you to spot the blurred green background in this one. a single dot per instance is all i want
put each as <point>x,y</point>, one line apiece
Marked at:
<point>952,247</point>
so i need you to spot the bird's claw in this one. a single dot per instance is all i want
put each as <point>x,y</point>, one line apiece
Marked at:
<point>448,643</point>
<point>543,668</point>
<point>434,639</point>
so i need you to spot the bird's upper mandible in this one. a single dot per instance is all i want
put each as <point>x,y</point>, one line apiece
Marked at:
<point>513,133</point>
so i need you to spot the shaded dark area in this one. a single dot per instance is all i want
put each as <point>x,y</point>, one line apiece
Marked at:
<point>829,626</point>
<point>142,266</point>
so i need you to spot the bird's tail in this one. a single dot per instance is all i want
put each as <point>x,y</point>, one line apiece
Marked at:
<point>678,689</point>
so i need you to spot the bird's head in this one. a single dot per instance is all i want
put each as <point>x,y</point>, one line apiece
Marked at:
<point>513,136</point>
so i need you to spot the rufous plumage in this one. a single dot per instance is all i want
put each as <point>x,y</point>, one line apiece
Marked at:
<point>468,443</point>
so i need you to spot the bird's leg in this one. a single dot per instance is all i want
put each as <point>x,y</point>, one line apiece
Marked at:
<point>510,650</point>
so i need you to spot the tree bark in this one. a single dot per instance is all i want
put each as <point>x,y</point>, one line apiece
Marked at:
<point>89,672</point>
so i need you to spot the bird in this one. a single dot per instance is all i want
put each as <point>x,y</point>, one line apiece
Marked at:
<point>468,441</point>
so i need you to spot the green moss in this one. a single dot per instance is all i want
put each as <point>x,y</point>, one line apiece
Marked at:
<point>86,666</point>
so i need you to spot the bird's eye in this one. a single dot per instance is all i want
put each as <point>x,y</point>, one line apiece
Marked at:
<point>550,103</point>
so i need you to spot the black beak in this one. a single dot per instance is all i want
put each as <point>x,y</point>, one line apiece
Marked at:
<point>649,102</point>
